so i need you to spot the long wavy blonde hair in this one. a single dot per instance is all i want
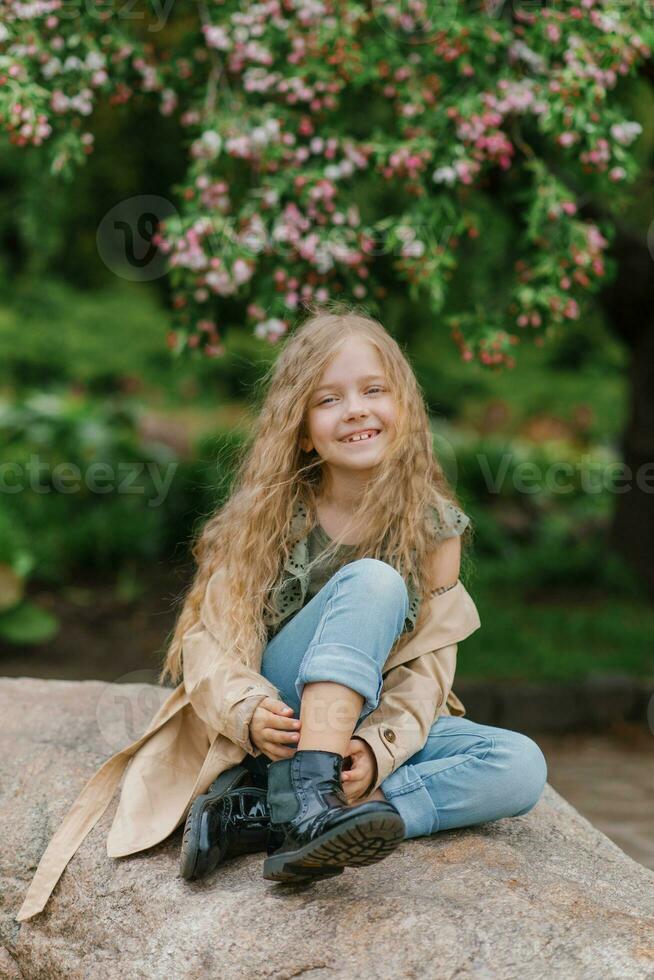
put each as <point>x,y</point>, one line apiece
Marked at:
<point>248,537</point>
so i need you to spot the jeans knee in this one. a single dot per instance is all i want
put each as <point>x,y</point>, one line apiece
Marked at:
<point>528,773</point>
<point>377,578</point>
<point>524,773</point>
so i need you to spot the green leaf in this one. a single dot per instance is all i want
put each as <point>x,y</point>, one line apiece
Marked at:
<point>28,623</point>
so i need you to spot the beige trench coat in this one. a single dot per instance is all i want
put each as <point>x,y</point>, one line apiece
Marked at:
<point>202,729</point>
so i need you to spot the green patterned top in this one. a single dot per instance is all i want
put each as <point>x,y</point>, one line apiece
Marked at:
<point>297,585</point>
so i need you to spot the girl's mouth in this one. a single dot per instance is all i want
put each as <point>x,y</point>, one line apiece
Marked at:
<point>361,440</point>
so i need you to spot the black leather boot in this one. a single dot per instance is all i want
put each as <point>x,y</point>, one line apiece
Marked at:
<point>322,834</point>
<point>230,819</point>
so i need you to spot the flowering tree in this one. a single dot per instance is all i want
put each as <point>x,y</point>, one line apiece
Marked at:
<point>335,144</point>
<point>328,138</point>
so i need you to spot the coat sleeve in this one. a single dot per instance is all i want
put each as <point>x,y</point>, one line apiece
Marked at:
<point>399,725</point>
<point>223,690</point>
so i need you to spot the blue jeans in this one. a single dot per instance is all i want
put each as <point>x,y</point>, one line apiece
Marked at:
<point>465,773</point>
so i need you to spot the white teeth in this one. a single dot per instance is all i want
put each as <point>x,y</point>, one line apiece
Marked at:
<point>361,438</point>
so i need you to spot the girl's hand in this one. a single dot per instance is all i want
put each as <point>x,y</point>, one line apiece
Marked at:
<point>363,773</point>
<point>271,729</point>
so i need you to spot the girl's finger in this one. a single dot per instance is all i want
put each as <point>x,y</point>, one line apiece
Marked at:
<point>279,736</point>
<point>279,708</point>
<point>287,724</point>
<point>283,724</point>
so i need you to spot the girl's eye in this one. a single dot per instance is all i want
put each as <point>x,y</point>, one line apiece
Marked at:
<point>374,388</point>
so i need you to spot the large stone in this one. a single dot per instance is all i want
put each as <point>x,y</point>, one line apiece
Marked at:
<point>539,896</point>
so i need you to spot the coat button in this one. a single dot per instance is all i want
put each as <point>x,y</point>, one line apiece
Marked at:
<point>389,734</point>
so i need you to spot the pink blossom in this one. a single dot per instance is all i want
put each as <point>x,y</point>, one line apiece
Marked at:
<point>241,271</point>
<point>214,350</point>
<point>595,238</point>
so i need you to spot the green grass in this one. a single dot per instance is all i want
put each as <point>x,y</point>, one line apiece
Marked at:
<point>558,641</point>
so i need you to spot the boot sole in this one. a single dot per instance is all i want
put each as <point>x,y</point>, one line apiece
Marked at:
<point>364,840</point>
<point>190,850</point>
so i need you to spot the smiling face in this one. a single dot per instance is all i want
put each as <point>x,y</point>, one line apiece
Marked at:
<point>352,395</point>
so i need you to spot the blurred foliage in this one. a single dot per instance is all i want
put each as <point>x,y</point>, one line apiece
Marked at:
<point>112,341</point>
<point>554,602</point>
<point>147,503</point>
<point>79,487</point>
<point>21,621</point>
<point>83,489</point>
<point>53,334</point>
<point>563,637</point>
<point>540,512</point>
<point>94,492</point>
<point>48,228</point>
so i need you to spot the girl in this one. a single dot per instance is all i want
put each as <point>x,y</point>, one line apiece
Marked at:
<point>344,436</point>
<point>315,651</point>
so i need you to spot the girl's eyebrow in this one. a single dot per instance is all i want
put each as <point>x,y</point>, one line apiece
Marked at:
<point>367,377</point>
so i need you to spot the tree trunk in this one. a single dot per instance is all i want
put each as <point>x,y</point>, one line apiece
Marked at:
<point>629,306</point>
